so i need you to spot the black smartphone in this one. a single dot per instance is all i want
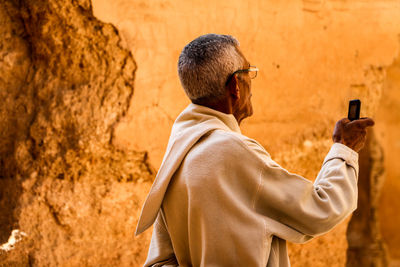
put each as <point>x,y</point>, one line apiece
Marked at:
<point>354,109</point>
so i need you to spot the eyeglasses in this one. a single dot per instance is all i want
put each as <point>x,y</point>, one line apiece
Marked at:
<point>252,70</point>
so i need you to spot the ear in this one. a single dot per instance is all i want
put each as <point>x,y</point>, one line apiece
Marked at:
<point>233,87</point>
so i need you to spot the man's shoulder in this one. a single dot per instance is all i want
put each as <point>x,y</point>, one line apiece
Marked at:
<point>220,141</point>
<point>225,139</point>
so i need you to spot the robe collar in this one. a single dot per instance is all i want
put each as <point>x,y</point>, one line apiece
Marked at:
<point>228,119</point>
<point>193,123</point>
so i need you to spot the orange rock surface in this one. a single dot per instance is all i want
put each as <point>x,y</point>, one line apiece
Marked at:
<point>65,82</point>
<point>89,92</point>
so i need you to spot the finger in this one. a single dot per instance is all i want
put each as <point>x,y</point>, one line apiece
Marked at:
<point>344,121</point>
<point>363,141</point>
<point>366,122</point>
<point>364,133</point>
<point>362,123</point>
<point>355,129</point>
<point>362,138</point>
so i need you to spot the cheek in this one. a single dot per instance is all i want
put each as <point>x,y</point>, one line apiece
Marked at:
<point>249,102</point>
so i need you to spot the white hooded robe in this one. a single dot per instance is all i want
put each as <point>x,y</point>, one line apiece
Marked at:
<point>220,200</point>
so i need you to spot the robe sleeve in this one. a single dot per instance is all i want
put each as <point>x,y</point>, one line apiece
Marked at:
<point>161,252</point>
<point>294,208</point>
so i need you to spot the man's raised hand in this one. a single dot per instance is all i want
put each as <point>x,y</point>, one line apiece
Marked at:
<point>352,133</point>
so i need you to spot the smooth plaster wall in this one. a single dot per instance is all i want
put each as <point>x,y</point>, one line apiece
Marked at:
<point>313,57</point>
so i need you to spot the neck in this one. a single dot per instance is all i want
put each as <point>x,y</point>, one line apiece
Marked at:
<point>226,106</point>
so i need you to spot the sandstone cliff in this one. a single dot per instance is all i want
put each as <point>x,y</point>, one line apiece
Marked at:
<point>65,82</point>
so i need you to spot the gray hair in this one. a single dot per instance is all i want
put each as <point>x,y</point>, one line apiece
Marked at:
<point>205,64</point>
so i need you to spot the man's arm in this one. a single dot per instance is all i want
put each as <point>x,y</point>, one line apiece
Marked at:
<point>296,209</point>
<point>161,252</point>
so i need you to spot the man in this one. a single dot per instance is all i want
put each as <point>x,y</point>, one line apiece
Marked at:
<point>218,198</point>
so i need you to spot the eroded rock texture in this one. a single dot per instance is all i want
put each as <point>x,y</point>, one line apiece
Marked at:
<point>65,82</point>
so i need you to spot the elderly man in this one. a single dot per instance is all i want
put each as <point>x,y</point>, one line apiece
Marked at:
<point>218,198</point>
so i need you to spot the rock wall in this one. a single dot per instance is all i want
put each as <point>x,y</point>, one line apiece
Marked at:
<point>313,57</point>
<point>72,176</point>
<point>66,81</point>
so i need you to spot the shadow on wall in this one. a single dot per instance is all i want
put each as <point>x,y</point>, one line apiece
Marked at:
<point>371,232</point>
<point>365,244</point>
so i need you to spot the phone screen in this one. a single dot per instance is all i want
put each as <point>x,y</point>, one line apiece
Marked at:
<point>354,109</point>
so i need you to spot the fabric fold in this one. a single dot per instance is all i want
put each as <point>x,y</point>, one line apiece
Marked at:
<point>193,123</point>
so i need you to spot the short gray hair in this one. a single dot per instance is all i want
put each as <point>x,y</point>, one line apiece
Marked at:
<point>206,63</point>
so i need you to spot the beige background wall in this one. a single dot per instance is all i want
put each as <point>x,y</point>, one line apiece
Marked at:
<point>313,57</point>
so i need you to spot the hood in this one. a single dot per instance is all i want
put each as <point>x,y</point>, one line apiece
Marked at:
<point>194,122</point>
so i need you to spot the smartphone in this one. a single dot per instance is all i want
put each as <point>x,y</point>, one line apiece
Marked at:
<point>354,109</point>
